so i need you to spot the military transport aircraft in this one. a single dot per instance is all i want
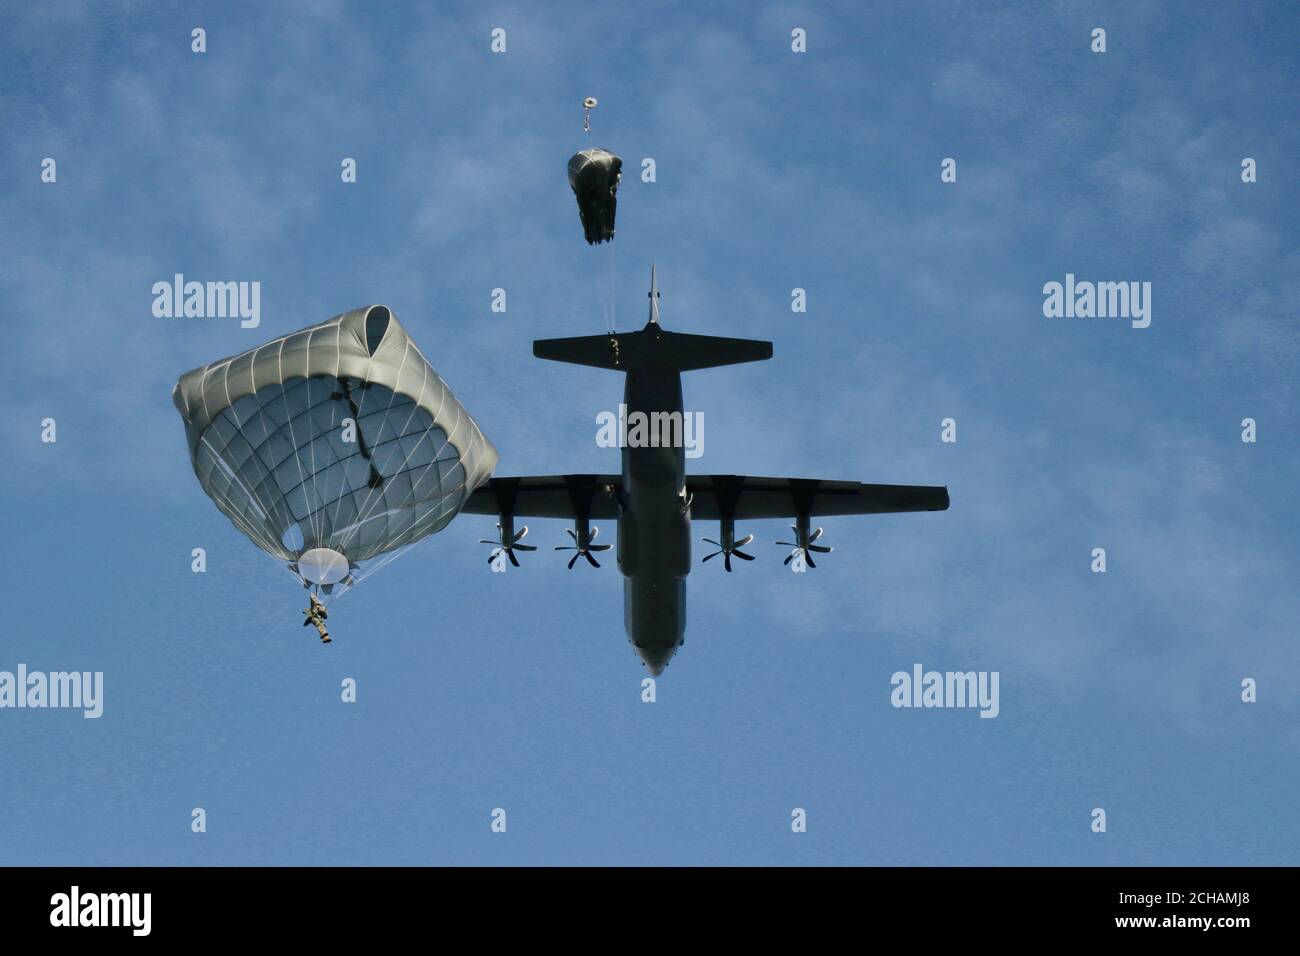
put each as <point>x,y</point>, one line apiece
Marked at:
<point>654,500</point>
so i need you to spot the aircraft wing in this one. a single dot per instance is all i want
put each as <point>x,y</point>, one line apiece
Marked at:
<point>743,497</point>
<point>712,496</point>
<point>547,496</point>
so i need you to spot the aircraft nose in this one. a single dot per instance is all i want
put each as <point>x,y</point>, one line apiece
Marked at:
<point>655,658</point>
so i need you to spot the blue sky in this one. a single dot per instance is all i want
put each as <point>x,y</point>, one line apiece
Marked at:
<point>774,171</point>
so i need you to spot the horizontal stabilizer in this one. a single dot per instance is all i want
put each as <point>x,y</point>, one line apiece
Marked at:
<point>652,350</point>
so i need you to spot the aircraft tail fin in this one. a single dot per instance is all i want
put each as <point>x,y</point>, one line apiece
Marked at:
<point>652,349</point>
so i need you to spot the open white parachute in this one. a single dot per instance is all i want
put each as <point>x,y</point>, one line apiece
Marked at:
<point>332,445</point>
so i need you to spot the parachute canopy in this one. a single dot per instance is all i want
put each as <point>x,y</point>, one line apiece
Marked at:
<point>594,176</point>
<point>332,445</point>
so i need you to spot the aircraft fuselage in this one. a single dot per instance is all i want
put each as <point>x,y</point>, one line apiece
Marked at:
<point>654,541</point>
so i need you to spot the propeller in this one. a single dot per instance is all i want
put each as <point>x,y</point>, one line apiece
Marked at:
<point>582,544</point>
<point>729,546</point>
<point>507,542</point>
<point>805,542</point>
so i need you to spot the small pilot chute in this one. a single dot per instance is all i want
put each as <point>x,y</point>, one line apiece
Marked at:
<point>594,175</point>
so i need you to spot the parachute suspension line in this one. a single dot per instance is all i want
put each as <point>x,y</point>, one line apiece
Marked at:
<point>338,502</point>
<point>260,537</point>
<point>415,525</point>
<point>443,502</point>
<point>293,438</point>
<point>602,300</point>
<point>309,496</point>
<point>315,520</point>
<point>371,502</point>
<point>434,459</point>
<point>255,534</point>
<point>605,289</point>
<point>364,513</point>
<point>338,591</point>
<point>389,559</point>
<point>344,494</point>
<point>320,507</point>
<point>613,299</point>
<point>391,556</point>
<point>366,506</point>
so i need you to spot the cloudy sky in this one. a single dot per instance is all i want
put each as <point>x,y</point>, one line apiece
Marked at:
<point>775,170</point>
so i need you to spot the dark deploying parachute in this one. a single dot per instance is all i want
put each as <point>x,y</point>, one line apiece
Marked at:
<point>594,176</point>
